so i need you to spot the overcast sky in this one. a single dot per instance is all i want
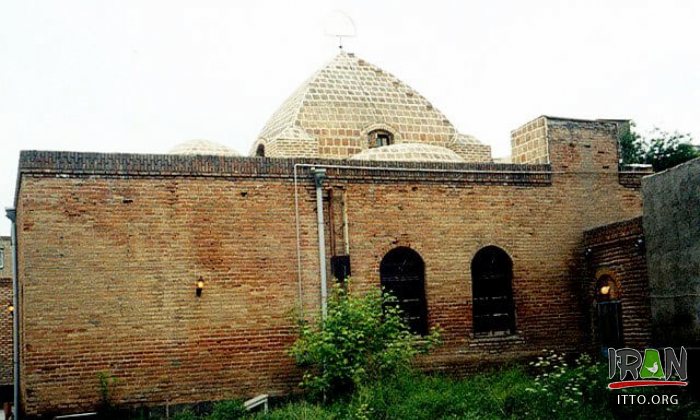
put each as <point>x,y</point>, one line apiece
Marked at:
<point>142,76</point>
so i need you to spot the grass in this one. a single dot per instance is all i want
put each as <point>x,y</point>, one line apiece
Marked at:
<point>511,392</point>
<point>501,394</point>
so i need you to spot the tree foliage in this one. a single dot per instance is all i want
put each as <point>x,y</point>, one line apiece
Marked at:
<point>364,339</point>
<point>660,149</point>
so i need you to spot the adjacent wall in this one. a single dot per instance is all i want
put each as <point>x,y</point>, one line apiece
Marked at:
<point>672,229</point>
<point>111,247</point>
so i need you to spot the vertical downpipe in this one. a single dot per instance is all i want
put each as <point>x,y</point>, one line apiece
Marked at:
<point>346,234</point>
<point>12,215</point>
<point>319,176</point>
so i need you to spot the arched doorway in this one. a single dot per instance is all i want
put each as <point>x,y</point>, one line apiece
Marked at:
<point>402,273</point>
<point>260,151</point>
<point>492,292</point>
<point>609,311</point>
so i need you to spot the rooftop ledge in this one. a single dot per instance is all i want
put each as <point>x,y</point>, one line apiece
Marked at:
<point>48,163</point>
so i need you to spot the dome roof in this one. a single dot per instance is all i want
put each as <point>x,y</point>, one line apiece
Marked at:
<point>202,147</point>
<point>350,87</point>
<point>334,112</point>
<point>409,152</point>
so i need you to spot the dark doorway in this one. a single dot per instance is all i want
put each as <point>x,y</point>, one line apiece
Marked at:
<point>609,309</point>
<point>492,292</point>
<point>402,274</point>
<point>260,151</point>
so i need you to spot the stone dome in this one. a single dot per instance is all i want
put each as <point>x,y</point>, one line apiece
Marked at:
<point>335,113</point>
<point>202,147</point>
<point>409,152</point>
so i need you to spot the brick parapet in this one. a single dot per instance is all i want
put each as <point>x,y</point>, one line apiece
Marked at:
<point>81,164</point>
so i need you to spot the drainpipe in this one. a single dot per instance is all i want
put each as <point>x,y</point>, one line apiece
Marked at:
<point>346,234</point>
<point>12,215</point>
<point>319,175</point>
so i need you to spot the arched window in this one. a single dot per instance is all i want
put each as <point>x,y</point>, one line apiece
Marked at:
<point>492,292</point>
<point>379,138</point>
<point>402,274</point>
<point>260,151</point>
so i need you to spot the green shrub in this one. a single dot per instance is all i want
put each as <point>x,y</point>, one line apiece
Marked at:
<point>184,415</point>
<point>363,339</point>
<point>227,410</point>
<point>561,389</point>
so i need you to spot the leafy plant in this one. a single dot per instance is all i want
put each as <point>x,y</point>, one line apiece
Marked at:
<point>107,408</point>
<point>571,385</point>
<point>107,383</point>
<point>631,150</point>
<point>561,389</point>
<point>665,150</point>
<point>363,339</point>
<point>662,149</point>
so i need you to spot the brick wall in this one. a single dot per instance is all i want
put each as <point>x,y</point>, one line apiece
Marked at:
<point>617,250</point>
<point>112,245</point>
<point>5,315</point>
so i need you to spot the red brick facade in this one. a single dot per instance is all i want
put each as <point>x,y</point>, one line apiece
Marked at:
<point>617,250</point>
<point>5,314</point>
<point>111,247</point>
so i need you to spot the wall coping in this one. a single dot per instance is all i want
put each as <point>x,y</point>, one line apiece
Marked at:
<point>613,232</point>
<point>51,163</point>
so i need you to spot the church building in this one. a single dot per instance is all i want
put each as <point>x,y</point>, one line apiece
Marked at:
<point>184,274</point>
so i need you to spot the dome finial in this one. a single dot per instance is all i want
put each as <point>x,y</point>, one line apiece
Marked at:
<point>340,25</point>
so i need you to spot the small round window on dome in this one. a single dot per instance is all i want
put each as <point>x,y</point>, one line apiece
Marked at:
<point>379,138</point>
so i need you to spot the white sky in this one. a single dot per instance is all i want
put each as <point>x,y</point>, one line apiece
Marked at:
<point>142,76</point>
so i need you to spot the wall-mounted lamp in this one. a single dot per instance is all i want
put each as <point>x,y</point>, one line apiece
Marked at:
<point>200,286</point>
<point>588,252</point>
<point>639,244</point>
<point>11,309</point>
<point>605,290</point>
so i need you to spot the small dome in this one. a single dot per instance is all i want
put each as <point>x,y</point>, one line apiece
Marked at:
<point>409,152</point>
<point>202,147</point>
